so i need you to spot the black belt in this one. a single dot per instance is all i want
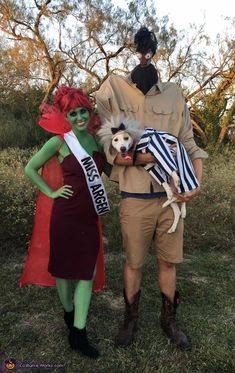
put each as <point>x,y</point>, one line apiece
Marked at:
<point>143,195</point>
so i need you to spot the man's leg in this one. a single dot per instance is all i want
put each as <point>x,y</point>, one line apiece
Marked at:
<point>169,251</point>
<point>167,278</point>
<point>131,294</point>
<point>138,223</point>
<point>132,281</point>
<point>170,301</point>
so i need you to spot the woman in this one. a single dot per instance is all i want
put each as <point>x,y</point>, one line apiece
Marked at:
<point>74,232</point>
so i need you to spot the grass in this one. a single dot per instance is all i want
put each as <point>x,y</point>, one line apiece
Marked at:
<point>32,327</point>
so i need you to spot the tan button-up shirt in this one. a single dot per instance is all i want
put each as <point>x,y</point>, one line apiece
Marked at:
<point>162,108</point>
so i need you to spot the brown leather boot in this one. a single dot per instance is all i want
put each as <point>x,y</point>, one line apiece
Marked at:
<point>126,333</point>
<point>168,322</point>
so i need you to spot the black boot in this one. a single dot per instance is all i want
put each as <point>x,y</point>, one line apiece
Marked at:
<point>78,341</point>
<point>126,333</point>
<point>69,318</point>
<point>168,322</point>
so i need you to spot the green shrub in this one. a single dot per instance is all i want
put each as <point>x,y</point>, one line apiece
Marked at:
<point>110,222</point>
<point>20,132</point>
<point>210,216</point>
<point>17,197</point>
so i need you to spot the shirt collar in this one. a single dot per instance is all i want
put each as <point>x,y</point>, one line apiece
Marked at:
<point>159,85</point>
<point>157,88</point>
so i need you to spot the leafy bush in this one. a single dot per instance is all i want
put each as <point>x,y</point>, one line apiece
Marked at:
<point>210,216</point>
<point>19,132</point>
<point>110,222</point>
<point>17,197</point>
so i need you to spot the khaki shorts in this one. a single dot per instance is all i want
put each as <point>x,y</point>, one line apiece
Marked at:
<point>143,222</point>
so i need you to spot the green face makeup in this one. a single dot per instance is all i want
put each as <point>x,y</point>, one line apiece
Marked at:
<point>79,118</point>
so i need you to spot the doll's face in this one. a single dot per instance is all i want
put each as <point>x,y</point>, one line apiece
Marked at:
<point>144,58</point>
<point>79,118</point>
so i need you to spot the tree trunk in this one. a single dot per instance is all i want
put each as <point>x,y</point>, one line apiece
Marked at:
<point>221,137</point>
<point>199,131</point>
<point>50,88</point>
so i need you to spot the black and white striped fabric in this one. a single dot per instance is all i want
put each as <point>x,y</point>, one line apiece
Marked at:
<point>170,155</point>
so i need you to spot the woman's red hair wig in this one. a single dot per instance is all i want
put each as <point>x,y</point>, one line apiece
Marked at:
<point>68,98</point>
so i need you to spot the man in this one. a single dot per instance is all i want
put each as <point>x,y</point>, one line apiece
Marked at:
<point>144,98</point>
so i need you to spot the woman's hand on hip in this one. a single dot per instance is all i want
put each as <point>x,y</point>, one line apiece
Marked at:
<point>65,192</point>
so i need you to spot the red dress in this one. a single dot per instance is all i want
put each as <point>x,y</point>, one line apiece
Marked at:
<point>35,269</point>
<point>74,232</point>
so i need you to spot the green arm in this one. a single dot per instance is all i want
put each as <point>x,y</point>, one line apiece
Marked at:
<point>37,161</point>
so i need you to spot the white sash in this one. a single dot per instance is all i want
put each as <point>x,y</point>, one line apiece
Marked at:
<point>93,179</point>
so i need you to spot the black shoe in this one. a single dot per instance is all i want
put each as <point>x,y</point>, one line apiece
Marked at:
<point>78,341</point>
<point>69,318</point>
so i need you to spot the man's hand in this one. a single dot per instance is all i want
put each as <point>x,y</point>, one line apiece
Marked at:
<point>144,158</point>
<point>141,159</point>
<point>185,197</point>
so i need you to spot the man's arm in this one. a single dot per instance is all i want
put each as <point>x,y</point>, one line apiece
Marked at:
<point>104,100</point>
<point>195,153</point>
<point>139,159</point>
<point>197,165</point>
<point>186,137</point>
<point>185,197</point>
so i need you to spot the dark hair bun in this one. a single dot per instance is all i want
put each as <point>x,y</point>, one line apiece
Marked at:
<point>145,41</point>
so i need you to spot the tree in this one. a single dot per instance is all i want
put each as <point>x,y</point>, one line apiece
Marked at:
<point>50,42</point>
<point>25,27</point>
<point>89,39</point>
<point>213,105</point>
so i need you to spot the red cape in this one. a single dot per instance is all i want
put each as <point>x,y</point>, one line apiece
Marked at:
<point>35,267</point>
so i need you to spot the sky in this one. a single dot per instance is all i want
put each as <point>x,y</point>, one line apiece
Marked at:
<point>183,12</point>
